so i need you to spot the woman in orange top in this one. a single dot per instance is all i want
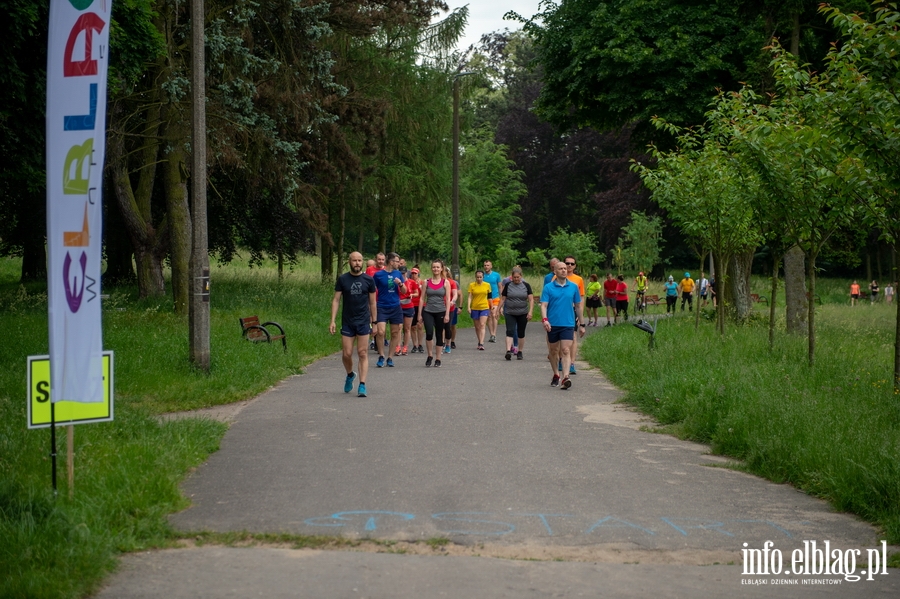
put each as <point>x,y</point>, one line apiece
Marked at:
<point>854,293</point>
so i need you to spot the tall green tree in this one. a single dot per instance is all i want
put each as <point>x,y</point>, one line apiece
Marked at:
<point>608,63</point>
<point>702,189</point>
<point>855,100</point>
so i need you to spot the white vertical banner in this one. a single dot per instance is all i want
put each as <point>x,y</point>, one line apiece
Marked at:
<point>77,59</point>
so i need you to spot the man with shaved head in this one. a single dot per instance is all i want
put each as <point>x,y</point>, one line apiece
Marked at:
<point>357,289</point>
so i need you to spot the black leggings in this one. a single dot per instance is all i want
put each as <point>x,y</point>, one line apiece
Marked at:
<point>434,322</point>
<point>516,324</point>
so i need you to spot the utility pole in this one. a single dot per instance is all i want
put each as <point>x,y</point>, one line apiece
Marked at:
<point>455,187</point>
<point>199,267</point>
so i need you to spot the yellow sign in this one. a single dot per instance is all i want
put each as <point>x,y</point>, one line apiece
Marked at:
<point>66,412</point>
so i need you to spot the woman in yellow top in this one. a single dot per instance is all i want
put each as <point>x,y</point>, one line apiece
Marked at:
<point>479,306</point>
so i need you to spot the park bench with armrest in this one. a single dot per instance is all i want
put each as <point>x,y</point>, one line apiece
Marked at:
<point>252,330</point>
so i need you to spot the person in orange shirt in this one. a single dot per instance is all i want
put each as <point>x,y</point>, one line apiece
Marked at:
<point>571,263</point>
<point>686,287</point>
<point>854,293</point>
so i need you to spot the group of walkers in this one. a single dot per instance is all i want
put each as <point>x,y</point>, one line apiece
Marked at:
<point>388,298</point>
<point>874,289</point>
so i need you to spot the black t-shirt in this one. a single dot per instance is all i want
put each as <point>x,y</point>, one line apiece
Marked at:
<point>355,290</point>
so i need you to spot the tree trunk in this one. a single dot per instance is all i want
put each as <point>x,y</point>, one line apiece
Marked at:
<point>178,211</point>
<point>739,283</point>
<point>868,267</point>
<point>811,279</point>
<point>878,263</point>
<point>34,257</point>
<point>896,346</point>
<point>280,266</point>
<point>776,263</point>
<point>795,35</point>
<point>326,254</point>
<point>795,291</point>
<point>341,235</point>
<point>722,286</point>
<point>134,203</point>
<point>119,253</point>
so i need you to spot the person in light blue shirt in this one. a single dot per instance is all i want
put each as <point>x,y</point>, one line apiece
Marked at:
<point>671,294</point>
<point>493,278</point>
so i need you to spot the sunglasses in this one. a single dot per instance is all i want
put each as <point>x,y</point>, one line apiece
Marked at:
<point>570,264</point>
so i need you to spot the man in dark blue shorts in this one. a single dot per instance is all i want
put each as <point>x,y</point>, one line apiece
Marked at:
<point>358,292</point>
<point>560,303</point>
<point>390,284</point>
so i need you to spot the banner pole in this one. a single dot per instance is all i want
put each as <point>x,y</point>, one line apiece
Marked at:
<point>53,444</point>
<point>70,458</point>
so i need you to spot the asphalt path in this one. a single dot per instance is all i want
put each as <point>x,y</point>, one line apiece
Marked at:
<point>540,492</point>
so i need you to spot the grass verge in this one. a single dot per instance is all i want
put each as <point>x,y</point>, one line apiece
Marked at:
<point>832,430</point>
<point>127,472</point>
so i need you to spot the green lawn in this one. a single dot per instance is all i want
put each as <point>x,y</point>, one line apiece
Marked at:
<point>832,431</point>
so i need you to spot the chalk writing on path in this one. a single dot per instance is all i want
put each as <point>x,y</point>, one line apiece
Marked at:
<point>491,524</point>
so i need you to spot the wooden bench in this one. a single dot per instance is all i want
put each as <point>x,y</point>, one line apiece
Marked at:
<point>651,300</point>
<point>757,298</point>
<point>252,330</point>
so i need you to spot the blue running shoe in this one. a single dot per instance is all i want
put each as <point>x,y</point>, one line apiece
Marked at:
<point>348,383</point>
<point>572,369</point>
<point>390,363</point>
<point>380,362</point>
<point>361,392</point>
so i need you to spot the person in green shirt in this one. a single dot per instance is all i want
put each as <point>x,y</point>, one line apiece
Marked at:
<point>594,300</point>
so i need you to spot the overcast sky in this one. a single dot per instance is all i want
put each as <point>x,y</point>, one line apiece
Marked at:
<point>486,16</point>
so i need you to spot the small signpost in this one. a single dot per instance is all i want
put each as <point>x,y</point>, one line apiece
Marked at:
<point>45,413</point>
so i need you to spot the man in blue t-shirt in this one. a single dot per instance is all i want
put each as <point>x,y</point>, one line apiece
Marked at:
<point>560,315</point>
<point>357,289</point>
<point>390,284</point>
<point>493,278</point>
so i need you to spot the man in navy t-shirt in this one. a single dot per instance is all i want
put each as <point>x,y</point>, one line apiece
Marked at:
<point>357,289</point>
<point>390,284</point>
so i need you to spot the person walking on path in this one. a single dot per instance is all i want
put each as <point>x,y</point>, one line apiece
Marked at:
<point>479,305</point>
<point>501,309</point>
<point>357,290</point>
<point>873,292</point>
<point>686,287</point>
<point>390,285</point>
<point>373,266</point>
<point>854,293</point>
<point>610,289</point>
<point>560,303</point>
<point>622,297</point>
<point>671,288</point>
<point>594,288</point>
<point>434,311</point>
<point>409,304</point>
<point>493,278</point>
<point>450,327</point>
<point>703,286</point>
<point>518,300</point>
<point>415,325</point>
<point>889,293</point>
<point>571,263</point>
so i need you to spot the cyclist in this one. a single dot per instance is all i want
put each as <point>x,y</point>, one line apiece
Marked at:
<point>640,288</point>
